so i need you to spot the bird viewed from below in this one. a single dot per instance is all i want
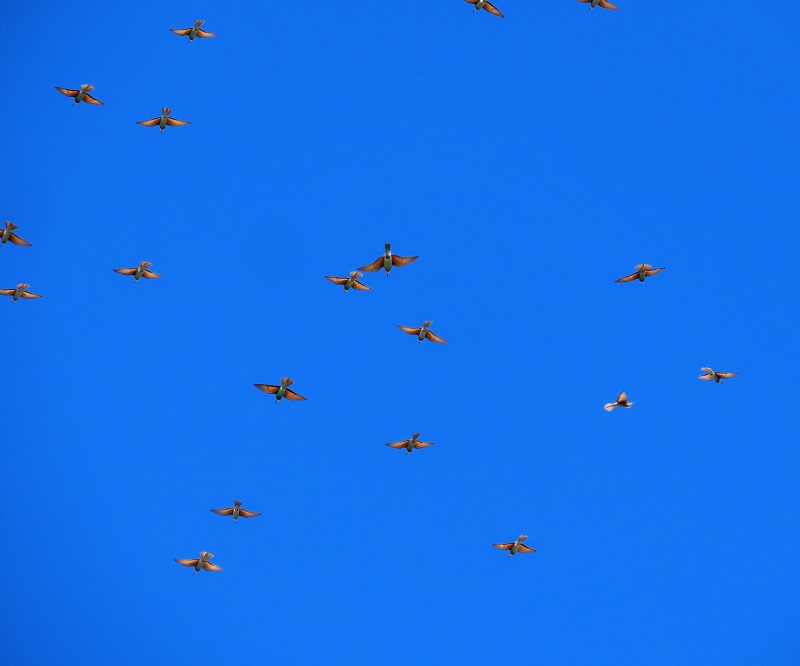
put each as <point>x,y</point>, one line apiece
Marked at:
<point>488,6</point>
<point>193,32</point>
<point>140,272</point>
<point>387,261</point>
<point>712,376</point>
<point>515,547</point>
<point>200,563</point>
<point>605,4</point>
<point>410,444</point>
<point>281,391</point>
<point>622,401</point>
<point>236,511</point>
<point>9,235</point>
<point>19,292</point>
<point>352,281</point>
<point>642,271</point>
<point>163,120</point>
<point>422,332</point>
<point>81,95</point>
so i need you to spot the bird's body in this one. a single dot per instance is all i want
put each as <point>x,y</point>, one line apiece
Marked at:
<point>200,563</point>
<point>387,261</point>
<point>9,235</point>
<point>410,444</point>
<point>236,511</point>
<point>282,391</point>
<point>642,271</point>
<point>81,95</point>
<point>605,4</point>
<point>139,272</point>
<point>423,332</point>
<point>163,120</point>
<point>19,292</point>
<point>514,547</point>
<point>715,376</point>
<point>488,6</point>
<point>622,401</point>
<point>349,282</point>
<point>193,32</point>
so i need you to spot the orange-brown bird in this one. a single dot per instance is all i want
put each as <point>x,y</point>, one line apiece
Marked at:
<point>622,401</point>
<point>9,235</point>
<point>422,332</point>
<point>281,391</point>
<point>488,6</point>
<point>387,261</point>
<point>712,376</point>
<point>193,32</point>
<point>19,292</point>
<point>605,4</point>
<point>515,547</point>
<point>163,120</point>
<point>140,272</point>
<point>348,282</point>
<point>81,95</point>
<point>200,563</point>
<point>642,271</point>
<point>236,511</point>
<point>410,444</point>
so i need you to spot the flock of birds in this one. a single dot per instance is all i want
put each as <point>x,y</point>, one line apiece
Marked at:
<point>385,262</point>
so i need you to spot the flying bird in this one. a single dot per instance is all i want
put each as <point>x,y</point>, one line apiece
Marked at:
<point>422,333</point>
<point>236,511</point>
<point>140,272</point>
<point>515,547</point>
<point>19,292</point>
<point>81,95</point>
<point>163,120</point>
<point>715,376</point>
<point>193,32</point>
<point>200,563</point>
<point>410,444</point>
<point>281,391</point>
<point>352,281</point>
<point>605,4</point>
<point>489,7</point>
<point>387,261</point>
<point>642,271</point>
<point>622,401</point>
<point>9,235</point>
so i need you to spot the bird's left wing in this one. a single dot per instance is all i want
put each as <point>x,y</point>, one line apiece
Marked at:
<point>67,92</point>
<point>489,7</point>
<point>526,549</point>
<point>149,123</point>
<point>402,261</point>
<point>652,271</point>
<point>628,278</point>
<point>435,338</point>
<point>410,330</point>
<point>181,31</point>
<point>211,567</point>
<point>503,546</point>
<point>174,122</point>
<point>291,395</point>
<point>27,294</point>
<point>150,274</point>
<point>248,514</point>
<point>224,512</point>
<point>92,100</point>
<point>18,241</point>
<point>203,33</point>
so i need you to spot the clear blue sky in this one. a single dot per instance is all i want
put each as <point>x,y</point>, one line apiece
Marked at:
<point>529,161</point>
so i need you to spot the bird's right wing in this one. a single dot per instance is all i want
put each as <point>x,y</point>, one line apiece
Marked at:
<point>423,445</point>
<point>267,388</point>
<point>435,338</point>
<point>622,397</point>
<point>503,546</point>
<point>409,329</point>
<point>652,271</point>
<point>149,123</point>
<point>360,286</point>
<point>203,33</point>
<point>708,376</point>
<point>211,567</point>
<point>188,563</point>
<point>726,375</point>
<point>605,4</point>
<point>18,241</point>
<point>181,31</point>
<point>248,514</point>
<point>27,294</point>
<point>174,122</point>
<point>150,275</point>
<point>374,266</point>
<point>402,261</point>
<point>7,292</point>
<point>336,280</point>
<point>92,100</point>
<point>526,549</point>
<point>291,395</point>
<point>632,276</point>
<point>68,92</point>
<point>489,7</point>
<point>224,512</point>
<point>126,271</point>
<point>398,445</point>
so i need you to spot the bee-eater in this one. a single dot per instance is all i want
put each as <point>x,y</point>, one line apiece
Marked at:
<point>642,271</point>
<point>715,376</point>
<point>81,95</point>
<point>352,281</point>
<point>515,547</point>
<point>410,444</point>
<point>488,6</point>
<point>422,333</point>
<point>236,511</point>
<point>387,261</point>
<point>193,32</point>
<point>140,272</point>
<point>281,391</point>
<point>605,4</point>
<point>200,563</point>
<point>622,401</point>
<point>19,292</point>
<point>163,120</point>
<point>9,235</point>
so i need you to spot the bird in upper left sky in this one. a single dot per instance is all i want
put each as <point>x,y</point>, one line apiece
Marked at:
<point>193,32</point>
<point>19,292</point>
<point>9,235</point>
<point>488,6</point>
<point>163,120</point>
<point>352,281</point>
<point>81,95</point>
<point>236,511</point>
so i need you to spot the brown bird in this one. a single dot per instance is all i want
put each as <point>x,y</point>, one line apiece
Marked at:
<point>140,272</point>
<point>410,444</point>
<point>9,235</point>
<point>163,120</point>
<point>349,282</point>
<point>642,271</point>
<point>605,4</point>
<point>515,547</point>
<point>19,292</point>
<point>622,401</point>
<point>387,261</point>
<point>281,391</point>
<point>715,376</point>
<point>200,563</point>
<point>488,6</point>
<point>422,333</point>
<point>81,95</point>
<point>236,511</point>
<point>193,32</point>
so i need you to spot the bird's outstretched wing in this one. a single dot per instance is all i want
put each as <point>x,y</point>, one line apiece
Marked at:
<point>27,294</point>
<point>188,563</point>
<point>150,275</point>
<point>489,7</point>
<point>211,567</point>
<point>203,33</point>
<point>409,329</point>
<point>503,546</point>
<point>435,338</point>
<point>394,445</point>
<point>92,100</point>
<point>67,92</point>
<point>360,286</point>
<point>628,278</point>
<point>126,271</point>
<point>181,31</point>
<point>224,512</point>
<point>525,549</point>
<point>374,266</point>
<point>402,261</point>
<point>623,398</point>
<point>174,122</point>
<point>423,445</point>
<point>18,241</point>
<point>248,514</point>
<point>267,388</point>
<point>7,292</point>
<point>291,395</point>
<point>605,4</point>
<point>149,123</point>
<point>726,375</point>
<point>336,280</point>
<point>652,271</point>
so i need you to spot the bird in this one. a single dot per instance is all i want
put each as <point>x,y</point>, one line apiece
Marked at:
<point>140,272</point>
<point>422,333</point>
<point>193,32</point>
<point>19,292</point>
<point>387,261</point>
<point>715,376</point>
<point>236,511</point>
<point>642,271</point>
<point>200,563</point>
<point>488,6</point>
<point>81,95</point>
<point>349,282</point>
<point>622,401</point>
<point>605,4</point>
<point>9,235</point>
<point>515,547</point>
<point>163,120</point>
<point>410,444</point>
<point>281,391</point>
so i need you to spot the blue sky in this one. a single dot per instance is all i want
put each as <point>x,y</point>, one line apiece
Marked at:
<point>529,161</point>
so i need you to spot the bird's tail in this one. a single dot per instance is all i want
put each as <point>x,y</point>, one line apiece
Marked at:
<point>643,267</point>
<point>286,381</point>
<point>165,110</point>
<point>11,226</point>
<point>610,406</point>
<point>86,87</point>
<point>426,324</point>
<point>145,264</point>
